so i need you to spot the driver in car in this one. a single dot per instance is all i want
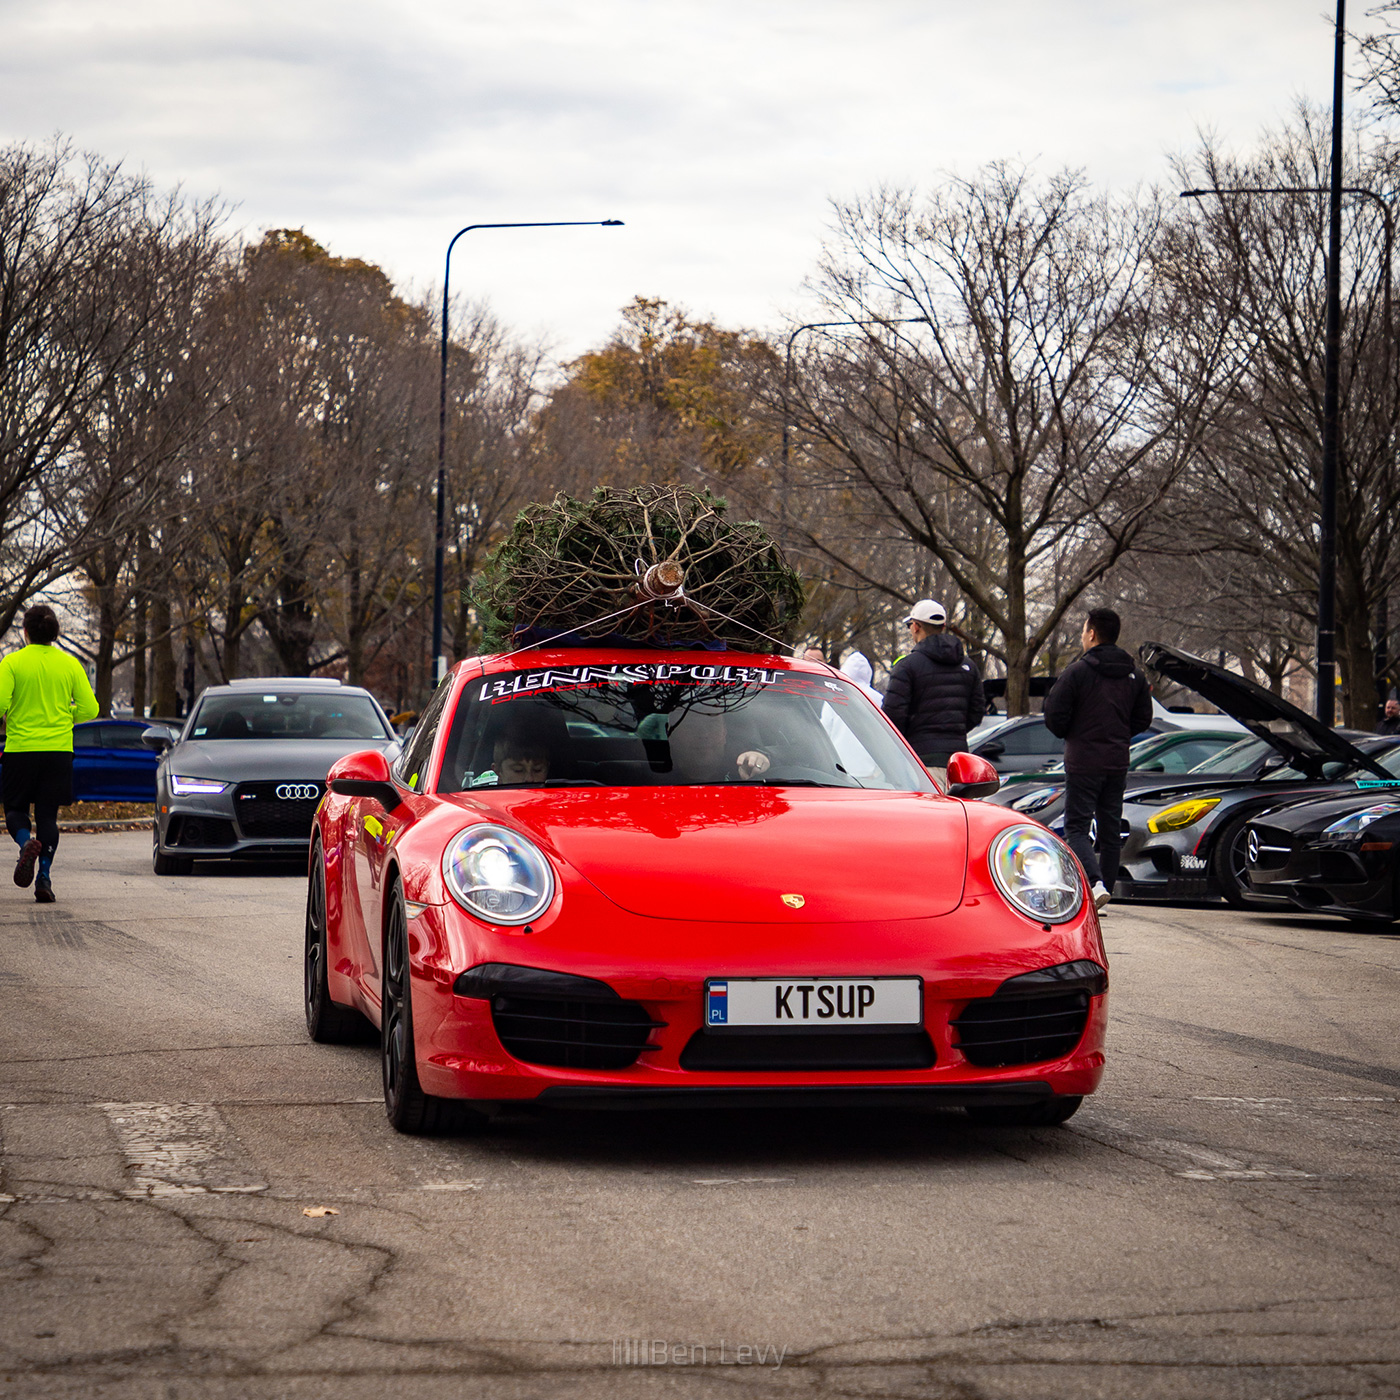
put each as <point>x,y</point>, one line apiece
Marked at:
<point>700,750</point>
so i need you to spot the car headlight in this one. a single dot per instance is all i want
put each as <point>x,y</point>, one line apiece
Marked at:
<point>1034,800</point>
<point>1359,821</point>
<point>188,787</point>
<point>1182,814</point>
<point>1036,874</point>
<point>498,875</point>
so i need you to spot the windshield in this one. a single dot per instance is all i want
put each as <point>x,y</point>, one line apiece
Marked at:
<point>660,724</point>
<point>1238,758</point>
<point>271,714</point>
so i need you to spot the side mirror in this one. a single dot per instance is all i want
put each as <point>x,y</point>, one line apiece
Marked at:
<point>158,737</point>
<point>970,775</point>
<point>993,749</point>
<point>364,774</point>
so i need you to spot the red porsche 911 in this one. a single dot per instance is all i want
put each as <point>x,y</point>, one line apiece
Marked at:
<point>622,878</point>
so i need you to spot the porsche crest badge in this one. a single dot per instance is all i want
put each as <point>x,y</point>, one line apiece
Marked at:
<point>794,901</point>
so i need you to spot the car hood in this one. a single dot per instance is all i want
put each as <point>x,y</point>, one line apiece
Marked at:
<point>729,855</point>
<point>1305,742</point>
<point>239,760</point>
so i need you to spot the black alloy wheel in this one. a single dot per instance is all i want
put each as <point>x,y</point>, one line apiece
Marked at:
<point>409,1109</point>
<point>327,1021</point>
<point>1049,1113</point>
<point>1229,865</point>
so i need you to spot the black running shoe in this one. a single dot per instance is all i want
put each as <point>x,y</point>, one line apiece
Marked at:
<point>43,890</point>
<point>24,866</point>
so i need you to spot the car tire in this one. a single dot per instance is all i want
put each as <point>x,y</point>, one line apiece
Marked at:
<point>409,1109</point>
<point>163,864</point>
<point>327,1022</point>
<point>1047,1114</point>
<point>1227,866</point>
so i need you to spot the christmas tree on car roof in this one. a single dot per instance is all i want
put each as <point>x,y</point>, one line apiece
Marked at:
<point>648,566</point>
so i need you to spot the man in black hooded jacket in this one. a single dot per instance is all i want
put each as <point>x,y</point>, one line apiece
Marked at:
<point>1096,707</point>
<point>935,693</point>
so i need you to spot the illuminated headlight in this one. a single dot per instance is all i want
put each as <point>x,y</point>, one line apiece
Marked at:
<point>498,875</point>
<point>1359,821</point>
<point>1182,815</point>
<point>189,787</point>
<point>1036,874</point>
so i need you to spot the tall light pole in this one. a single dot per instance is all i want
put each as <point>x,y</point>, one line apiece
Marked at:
<point>1331,397</point>
<point>439,659</point>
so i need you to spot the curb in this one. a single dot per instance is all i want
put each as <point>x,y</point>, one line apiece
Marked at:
<point>111,824</point>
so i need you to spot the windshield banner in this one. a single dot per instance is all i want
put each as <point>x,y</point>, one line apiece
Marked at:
<point>571,677</point>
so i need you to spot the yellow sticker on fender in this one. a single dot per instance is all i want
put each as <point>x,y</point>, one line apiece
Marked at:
<point>374,826</point>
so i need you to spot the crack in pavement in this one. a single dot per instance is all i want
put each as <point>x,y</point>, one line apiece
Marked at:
<point>1276,1050</point>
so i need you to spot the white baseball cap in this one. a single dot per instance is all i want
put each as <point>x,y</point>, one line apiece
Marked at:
<point>927,611</point>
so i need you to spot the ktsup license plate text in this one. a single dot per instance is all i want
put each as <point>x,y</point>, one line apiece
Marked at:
<point>826,1002</point>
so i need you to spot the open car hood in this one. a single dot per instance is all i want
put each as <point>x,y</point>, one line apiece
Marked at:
<point>1306,743</point>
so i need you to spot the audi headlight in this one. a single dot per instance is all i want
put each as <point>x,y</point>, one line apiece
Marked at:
<point>1036,874</point>
<point>188,787</point>
<point>1182,814</point>
<point>1359,821</point>
<point>498,875</point>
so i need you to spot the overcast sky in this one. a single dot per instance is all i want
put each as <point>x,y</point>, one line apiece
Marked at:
<point>717,129</point>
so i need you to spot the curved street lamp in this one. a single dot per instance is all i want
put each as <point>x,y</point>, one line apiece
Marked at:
<point>787,377</point>
<point>439,659</point>
<point>1331,435</point>
<point>1331,395</point>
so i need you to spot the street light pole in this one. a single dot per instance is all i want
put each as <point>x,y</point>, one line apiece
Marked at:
<point>439,658</point>
<point>787,377</point>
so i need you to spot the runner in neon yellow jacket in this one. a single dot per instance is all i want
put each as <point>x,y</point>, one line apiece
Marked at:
<point>44,692</point>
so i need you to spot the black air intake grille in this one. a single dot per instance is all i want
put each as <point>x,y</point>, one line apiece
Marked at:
<point>201,831</point>
<point>261,812</point>
<point>879,1050</point>
<point>1268,848</point>
<point>572,1034</point>
<point>1021,1030</point>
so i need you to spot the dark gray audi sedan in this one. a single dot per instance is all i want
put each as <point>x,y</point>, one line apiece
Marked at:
<point>244,776</point>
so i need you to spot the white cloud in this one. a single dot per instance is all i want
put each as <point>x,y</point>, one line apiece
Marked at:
<point>716,128</point>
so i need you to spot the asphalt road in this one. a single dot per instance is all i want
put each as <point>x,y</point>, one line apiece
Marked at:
<point>1220,1221</point>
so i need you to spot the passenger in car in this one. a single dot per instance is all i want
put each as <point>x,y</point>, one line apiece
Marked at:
<point>519,759</point>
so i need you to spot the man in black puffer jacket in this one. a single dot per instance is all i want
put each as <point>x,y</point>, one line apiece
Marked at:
<point>935,693</point>
<point>1096,707</point>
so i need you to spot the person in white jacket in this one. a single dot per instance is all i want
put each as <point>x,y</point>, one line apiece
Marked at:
<point>856,667</point>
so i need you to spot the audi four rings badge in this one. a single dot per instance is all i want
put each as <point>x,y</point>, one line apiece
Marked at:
<point>298,792</point>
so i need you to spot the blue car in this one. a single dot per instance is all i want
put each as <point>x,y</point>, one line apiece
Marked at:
<point>111,764</point>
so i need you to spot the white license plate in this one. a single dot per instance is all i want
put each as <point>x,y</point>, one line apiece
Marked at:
<point>813,1003</point>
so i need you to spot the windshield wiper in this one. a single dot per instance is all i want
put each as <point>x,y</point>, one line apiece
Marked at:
<point>787,782</point>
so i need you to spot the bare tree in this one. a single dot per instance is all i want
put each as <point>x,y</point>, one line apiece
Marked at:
<point>70,230</point>
<point>1253,264</point>
<point>1023,434</point>
<point>151,404</point>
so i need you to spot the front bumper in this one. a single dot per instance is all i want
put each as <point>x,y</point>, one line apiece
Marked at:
<point>246,821</point>
<point>461,1054</point>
